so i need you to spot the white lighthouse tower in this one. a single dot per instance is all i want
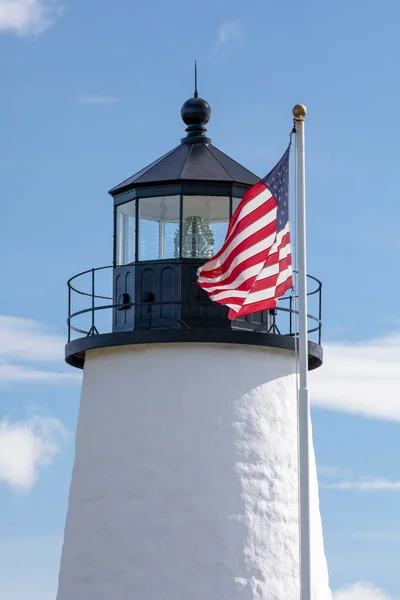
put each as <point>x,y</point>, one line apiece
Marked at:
<point>185,481</point>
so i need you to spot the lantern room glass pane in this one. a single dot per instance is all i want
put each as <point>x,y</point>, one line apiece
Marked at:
<point>126,233</point>
<point>159,227</point>
<point>204,225</point>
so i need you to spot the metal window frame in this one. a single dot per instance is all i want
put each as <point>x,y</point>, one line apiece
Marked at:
<point>174,188</point>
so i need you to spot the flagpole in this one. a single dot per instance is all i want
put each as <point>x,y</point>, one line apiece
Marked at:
<point>299,112</point>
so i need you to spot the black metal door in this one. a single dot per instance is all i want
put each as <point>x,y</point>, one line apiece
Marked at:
<point>124,295</point>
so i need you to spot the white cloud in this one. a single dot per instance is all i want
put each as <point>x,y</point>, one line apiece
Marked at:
<point>365,485</point>
<point>98,99</point>
<point>34,553</point>
<point>22,374</point>
<point>26,17</point>
<point>27,341</point>
<point>345,481</point>
<point>229,35</point>
<point>27,446</point>
<point>361,590</point>
<point>361,378</point>
<point>380,536</point>
<point>17,590</point>
<point>331,471</point>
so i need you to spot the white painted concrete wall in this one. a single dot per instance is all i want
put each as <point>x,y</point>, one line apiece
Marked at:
<point>185,478</point>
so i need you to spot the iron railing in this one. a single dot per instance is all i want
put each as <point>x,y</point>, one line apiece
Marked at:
<point>90,320</point>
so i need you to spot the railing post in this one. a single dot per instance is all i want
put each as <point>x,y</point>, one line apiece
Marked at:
<point>69,313</point>
<point>92,329</point>
<point>320,314</point>
<point>290,315</point>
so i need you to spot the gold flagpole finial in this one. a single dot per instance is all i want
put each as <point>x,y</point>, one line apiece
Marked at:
<point>299,111</point>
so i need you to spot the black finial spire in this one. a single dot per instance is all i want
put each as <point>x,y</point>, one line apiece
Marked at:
<point>195,114</point>
<point>196,93</point>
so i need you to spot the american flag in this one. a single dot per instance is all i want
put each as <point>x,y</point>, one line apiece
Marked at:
<point>254,266</point>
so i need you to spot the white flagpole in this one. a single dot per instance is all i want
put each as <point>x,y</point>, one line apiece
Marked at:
<point>299,112</point>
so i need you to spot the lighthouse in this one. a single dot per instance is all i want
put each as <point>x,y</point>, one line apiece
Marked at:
<point>185,479</point>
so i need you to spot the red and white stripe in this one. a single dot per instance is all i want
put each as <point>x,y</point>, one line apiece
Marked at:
<point>254,266</point>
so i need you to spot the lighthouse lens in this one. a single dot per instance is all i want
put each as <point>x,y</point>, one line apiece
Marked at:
<point>204,225</point>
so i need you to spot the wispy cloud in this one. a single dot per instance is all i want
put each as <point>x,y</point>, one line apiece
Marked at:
<point>27,446</point>
<point>23,344</point>
<point>21,591</point>
<point>22,374</point>
<point>346,482</point>
<point>364,485</point>
<point>26,339</point>
<point>35,553</point>
<point>98,99</point>
<point>230,34</point>
<point>361,590</point>
<point>331,471</point>
<point>361,377</point>
<point>375,536</point>
<point>25,17</point>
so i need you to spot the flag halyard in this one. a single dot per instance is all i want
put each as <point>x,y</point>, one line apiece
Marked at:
<point>254,266</point>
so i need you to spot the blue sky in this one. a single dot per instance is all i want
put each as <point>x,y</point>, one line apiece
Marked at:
<point>90,93</point>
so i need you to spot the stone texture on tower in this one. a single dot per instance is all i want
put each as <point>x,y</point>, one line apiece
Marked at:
<point>185,480</point>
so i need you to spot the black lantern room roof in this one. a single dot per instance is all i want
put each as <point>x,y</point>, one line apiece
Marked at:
<point>195,159</point>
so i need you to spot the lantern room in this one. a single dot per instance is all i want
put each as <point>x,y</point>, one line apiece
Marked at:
<point>169,218</point>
